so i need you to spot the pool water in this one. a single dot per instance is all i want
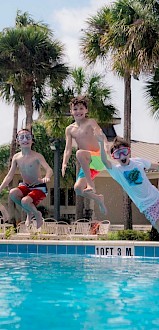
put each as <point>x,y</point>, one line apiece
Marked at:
<point>78,293</point>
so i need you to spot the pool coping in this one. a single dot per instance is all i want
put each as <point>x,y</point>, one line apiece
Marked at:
<point>81,242</point>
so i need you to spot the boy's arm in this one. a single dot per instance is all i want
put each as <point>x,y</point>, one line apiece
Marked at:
<point>48,169</point>
<point>67,151</point>
<point>97,131</point>
<point>8,178</point>
<point>100,136</point>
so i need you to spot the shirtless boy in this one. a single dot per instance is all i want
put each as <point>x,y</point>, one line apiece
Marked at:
<point>88,153</point>
<point>130,174</point>
<point>33,188</point>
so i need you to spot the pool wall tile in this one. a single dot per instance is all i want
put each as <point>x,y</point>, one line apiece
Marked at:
<point>156,252</point>
<point>4,248</point>
<point>12,248</point>
<point>52,249</point>
<point>81,249</point>
<point>42,248</point>
<point>71,249</point>
<point>22,248</point>
<point>90,249</point>
<point>61,249</point>
<point>32,248</point>
<point>149,251</point>
<point>139,251</point>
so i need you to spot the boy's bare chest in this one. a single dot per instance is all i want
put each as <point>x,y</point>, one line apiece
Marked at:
<point>82,132</point>
<point>26,164</point>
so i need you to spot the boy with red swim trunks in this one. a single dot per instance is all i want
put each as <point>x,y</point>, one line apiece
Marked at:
<point>33,188</point>
<point>88,153</point>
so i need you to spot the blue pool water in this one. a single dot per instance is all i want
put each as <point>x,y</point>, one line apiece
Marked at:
<point>78,293</point>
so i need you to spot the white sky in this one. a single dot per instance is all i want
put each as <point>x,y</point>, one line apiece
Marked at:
<point>66,19</point>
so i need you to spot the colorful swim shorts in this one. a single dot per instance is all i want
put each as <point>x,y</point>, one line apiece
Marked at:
<point>152,213</point>
<point>96,165</point>
<point>37,192</point>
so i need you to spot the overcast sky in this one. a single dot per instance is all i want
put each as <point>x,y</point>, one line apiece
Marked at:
<point>66,19</point>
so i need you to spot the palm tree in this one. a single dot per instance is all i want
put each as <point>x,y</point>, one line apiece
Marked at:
<point>10,93</point>
<point>30,60</point>
<point>29,53</point>
<point>152,92</point>
<point>127,33</point>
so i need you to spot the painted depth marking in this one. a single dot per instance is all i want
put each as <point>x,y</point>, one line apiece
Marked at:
<point>124,251</point>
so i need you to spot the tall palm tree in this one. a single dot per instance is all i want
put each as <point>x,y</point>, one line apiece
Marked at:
<point>29,60</point>
<point>10,93</point>
<point>34,58</point>
<point>126,32</point>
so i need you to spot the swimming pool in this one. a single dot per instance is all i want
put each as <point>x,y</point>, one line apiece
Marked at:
<point>78,292</point>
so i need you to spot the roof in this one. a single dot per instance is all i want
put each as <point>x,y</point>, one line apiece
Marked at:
<point>145,150</point>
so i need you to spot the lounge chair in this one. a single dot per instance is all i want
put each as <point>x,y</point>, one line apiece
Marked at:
<point>81,227</point>
<point>48,228</point>
<point>23,232</point>
<point>104,227</point>
<point>62,228</point>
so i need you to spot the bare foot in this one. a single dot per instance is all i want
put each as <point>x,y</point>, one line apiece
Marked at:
<point>39,220</point>
<point>28,219</point>
<point>101,204</point>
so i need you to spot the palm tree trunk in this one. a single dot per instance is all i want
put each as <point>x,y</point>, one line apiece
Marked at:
<point>14,133</point>
<point>29,106</point>
<point>127,209</point>
<point>127,108</point>
<point>11,205</point>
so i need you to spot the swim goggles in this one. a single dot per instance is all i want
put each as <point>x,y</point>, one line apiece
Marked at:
<point>21,137</point>
<point>122,151</point>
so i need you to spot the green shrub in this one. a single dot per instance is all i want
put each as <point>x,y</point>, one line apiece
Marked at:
<point>130,235</point>
<point>9,231</point>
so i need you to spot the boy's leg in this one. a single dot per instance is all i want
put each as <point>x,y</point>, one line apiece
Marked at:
<point>84,158</point>
<point>99,199</point>
<point>28,205</point>
<point>31,201</point>
<point>28,219</point>
<point>16,195</point>
<point>152,214</point>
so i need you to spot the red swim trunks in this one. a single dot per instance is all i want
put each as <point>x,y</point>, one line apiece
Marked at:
<point>37,192</point>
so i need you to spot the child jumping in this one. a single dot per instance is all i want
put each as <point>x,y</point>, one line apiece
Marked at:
<point>88,153</point>
<point>33,188</point>
<point>130,174</point>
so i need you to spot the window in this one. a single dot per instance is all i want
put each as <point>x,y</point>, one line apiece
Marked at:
<point>71,197</point>
<point>63,197</point>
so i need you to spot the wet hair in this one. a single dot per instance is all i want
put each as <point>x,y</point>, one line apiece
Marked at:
<point>117,143</point>
<point>79,99</point>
